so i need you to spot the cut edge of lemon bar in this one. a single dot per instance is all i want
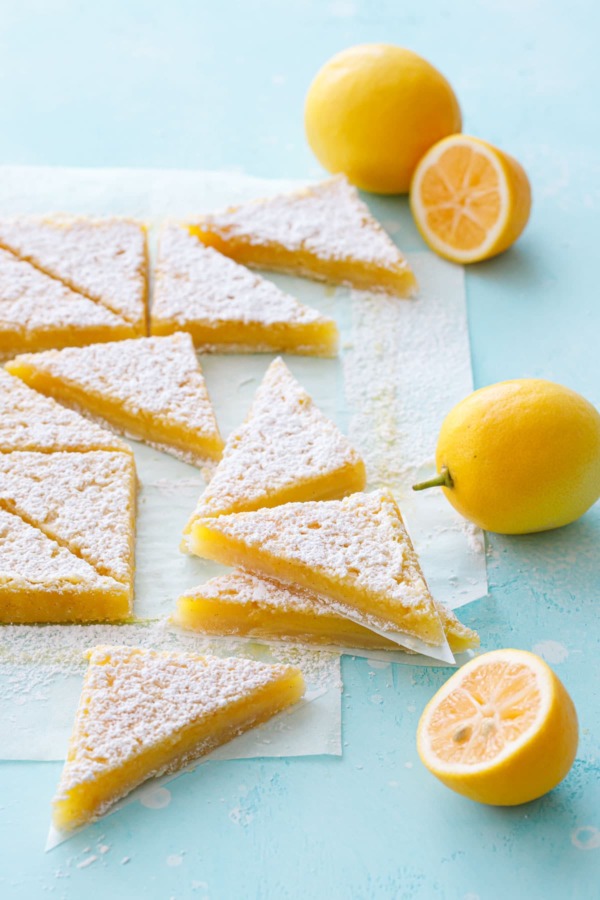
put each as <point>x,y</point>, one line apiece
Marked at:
<point>247,605</point>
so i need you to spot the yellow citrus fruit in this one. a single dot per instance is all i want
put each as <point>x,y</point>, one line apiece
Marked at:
<point>520,456</point>
<point>373,110</point>
<point>502,730</point>
<point>470,200</point>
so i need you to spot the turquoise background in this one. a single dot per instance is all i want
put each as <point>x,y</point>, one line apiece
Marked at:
<point>203,85</point>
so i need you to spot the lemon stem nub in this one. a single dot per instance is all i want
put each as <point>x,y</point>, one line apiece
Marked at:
<point>444,479</point>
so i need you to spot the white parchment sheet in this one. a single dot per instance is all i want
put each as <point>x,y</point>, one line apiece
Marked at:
<point>403,364</point>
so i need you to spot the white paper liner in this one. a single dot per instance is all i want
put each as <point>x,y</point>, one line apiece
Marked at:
<point>406,364</point>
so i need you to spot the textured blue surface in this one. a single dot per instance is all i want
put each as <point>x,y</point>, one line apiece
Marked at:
<point>193,84</point>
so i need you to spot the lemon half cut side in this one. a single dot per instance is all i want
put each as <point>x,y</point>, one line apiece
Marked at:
<point>502,730</point>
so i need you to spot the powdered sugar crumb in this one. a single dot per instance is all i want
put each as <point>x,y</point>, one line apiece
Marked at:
<point>474,536</point>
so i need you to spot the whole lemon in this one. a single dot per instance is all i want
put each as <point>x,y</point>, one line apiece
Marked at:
<point>373,110</point>
<point>520,456</point>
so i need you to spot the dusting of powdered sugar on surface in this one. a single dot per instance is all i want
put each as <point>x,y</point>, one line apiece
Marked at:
<point>405,366</point>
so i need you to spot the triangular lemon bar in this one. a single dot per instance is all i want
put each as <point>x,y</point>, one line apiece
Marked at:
<point>83,501</point>
<point>144,713</point>
<point>103,259</point>
<point>355,553</point>
<point>226,307</point>
<point>38,312</point>
<point>30,421</point>
<point>240,603</point>
<point>41,581</point>
<point>150,388</point>
<point>285,450</point>
<point>324,231</point>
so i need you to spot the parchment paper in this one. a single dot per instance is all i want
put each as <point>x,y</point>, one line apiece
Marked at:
<point>401,369</point>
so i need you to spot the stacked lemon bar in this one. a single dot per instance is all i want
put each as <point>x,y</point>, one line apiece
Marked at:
<point>316,559</point>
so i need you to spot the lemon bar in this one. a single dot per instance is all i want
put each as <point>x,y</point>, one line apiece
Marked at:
<point>286,450</point>
<point>42,581</point>
<point>83,501</point>
<point>150,388</point>
<point>225,307</point>
<point>243,604</point>
<point>324,232</point>
<point>144,713</point>
<point>355,553</point>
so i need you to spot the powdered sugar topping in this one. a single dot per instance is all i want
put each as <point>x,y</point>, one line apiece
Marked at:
<point>84,501</point>
<point>30,421</point>
<point>104,259</point>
